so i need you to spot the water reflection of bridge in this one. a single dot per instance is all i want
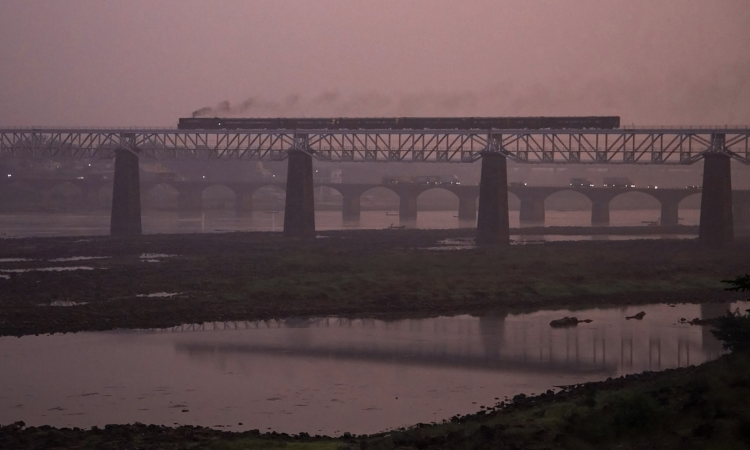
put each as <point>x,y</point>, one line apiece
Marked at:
<point>494,342</point>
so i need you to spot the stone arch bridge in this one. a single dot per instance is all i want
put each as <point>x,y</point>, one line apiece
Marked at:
<point>532,198</point>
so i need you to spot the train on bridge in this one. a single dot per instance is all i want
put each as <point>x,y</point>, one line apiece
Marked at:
<point>399,123</point>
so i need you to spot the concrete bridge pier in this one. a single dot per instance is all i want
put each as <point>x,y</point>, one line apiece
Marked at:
<point>741,213</point>
<point>299,209</point>
<point>600,212</point>
<point>407,205</point>
<point>243,203</point>
<point>532,210</point>
<point>716,222</point>
<point>126,195</point>
<point>190,199</point>
<point>669,213</point>
<point>90,195</point>
<point>351,208</point>
<point>492,222</point>
<point>467,208</point>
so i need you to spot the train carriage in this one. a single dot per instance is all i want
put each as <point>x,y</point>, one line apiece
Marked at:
<point>399,123</point>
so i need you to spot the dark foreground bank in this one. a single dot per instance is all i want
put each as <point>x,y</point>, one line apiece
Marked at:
<point>50,285</point>
<point>702,407</point>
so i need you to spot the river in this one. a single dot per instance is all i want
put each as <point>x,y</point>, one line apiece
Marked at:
<point>333,375</point>
<point>97,223</point>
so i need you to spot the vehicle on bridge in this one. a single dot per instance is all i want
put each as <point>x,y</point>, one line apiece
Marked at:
<point>434,180</point>
<point>580,183</point>
<point>618,182</point>
<point>398,123</point>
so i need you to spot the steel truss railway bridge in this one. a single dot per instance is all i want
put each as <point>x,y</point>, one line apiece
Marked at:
<point>669,146</point>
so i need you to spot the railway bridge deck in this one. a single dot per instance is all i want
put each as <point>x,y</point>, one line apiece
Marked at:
<point>494,147</point>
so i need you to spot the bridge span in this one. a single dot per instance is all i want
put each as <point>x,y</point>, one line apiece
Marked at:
<point>494,147</point>
<point>532,198</point>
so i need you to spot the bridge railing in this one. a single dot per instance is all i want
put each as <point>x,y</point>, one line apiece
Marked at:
<point>615,146</point>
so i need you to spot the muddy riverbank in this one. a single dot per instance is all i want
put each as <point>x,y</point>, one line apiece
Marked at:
<point>83,284</point>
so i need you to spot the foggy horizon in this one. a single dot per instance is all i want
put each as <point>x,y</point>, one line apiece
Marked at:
<point>88,63</point>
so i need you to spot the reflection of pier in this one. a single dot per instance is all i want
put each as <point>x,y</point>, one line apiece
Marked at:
<point>495,343</point>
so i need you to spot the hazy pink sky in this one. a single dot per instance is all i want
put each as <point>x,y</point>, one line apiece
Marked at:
<point>146,62</point>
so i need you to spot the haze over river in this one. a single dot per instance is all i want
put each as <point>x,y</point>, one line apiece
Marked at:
<point>97,223</point>
<point>332,375</point>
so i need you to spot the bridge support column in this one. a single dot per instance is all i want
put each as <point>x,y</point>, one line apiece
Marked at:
<point>90,196</point>
<point>741,212</point>
<point>126,195</point>
<point>407,206</point>
<point>467,208</point>
<point>716,224</point>
<point>243,203</point>
<point>669,214</point>
<point>600,212</point>
<point>532,210</point>
<point>299,208</point>
<point>190,200</point>
<point>350,208</point>
<point>492,221</point>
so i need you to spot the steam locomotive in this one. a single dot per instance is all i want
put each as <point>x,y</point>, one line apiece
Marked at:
<point>399,123</point>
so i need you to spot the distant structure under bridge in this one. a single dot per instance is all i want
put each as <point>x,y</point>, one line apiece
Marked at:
<point>460,144</point>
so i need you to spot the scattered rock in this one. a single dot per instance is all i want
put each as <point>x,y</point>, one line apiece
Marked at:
<point>698,321</point>
<point>567,322</point>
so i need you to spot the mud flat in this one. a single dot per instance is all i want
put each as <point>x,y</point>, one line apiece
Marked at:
<point>70,284</point>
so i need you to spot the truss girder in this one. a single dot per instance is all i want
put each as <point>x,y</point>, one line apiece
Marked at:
<point>626,146</point>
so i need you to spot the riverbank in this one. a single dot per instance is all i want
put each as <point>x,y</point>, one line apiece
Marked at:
<point>70,284</point>
<point>690,408</point>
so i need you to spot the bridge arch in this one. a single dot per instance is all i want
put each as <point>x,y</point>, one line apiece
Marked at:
<point>159,196</point>
<point>432,202</point>
<point>19,192</point>
<point>379,198</point>
<point>636,208</point>
<point>65,194</point>
<point>435,196</point>
<point>218,196</point>
<point>646,199</point>
<point>690,209</point>
<point>269,197</point>
<point>571,207</point>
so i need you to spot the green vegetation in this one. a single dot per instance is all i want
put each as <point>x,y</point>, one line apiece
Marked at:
<point>733,329</point>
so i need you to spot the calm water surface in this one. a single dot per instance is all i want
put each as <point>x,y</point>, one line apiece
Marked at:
<point>331,375</point>
<point>88,224</point>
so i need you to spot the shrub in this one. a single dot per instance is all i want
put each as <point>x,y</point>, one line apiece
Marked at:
<point>634,412</point>
<point>733,329</point>
<point>741,283</point>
